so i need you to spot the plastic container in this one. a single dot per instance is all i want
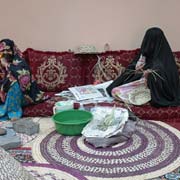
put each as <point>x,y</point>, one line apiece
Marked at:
<point>71,122</point>
<point>63,105</point>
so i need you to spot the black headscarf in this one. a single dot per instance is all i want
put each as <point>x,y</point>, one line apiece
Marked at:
<point>163,82</point>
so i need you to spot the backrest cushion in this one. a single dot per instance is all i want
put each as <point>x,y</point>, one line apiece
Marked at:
<point>54,71</point>
<point>107,66</point>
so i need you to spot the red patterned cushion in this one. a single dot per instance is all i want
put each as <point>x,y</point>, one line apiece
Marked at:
<point>55,71</point>
<point>149,112</point>
<point>106,66</point>
<point>43,109</point>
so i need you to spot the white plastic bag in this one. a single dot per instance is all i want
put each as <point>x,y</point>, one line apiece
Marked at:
<point>113,120</point>
<point>109,126</point>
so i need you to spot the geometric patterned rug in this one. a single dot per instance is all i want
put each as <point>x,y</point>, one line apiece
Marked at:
<point>50,172</point>
<point>153,151</point>
<point>22,154</point>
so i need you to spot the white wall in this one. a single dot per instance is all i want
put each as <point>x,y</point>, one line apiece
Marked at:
<point>64,24</point>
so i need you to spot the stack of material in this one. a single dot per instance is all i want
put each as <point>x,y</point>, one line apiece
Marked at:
<point>109,126</point>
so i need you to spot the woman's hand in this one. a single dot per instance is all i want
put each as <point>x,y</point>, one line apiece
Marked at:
<point>140,63</point>
<point>4,63</point>
<point>139,67</point>
<point>2,96</point>
<point>146,73</point>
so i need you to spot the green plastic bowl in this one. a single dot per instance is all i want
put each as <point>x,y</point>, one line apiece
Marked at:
<point>71,122</point>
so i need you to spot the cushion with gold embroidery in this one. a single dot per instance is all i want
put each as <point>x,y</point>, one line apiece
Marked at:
<point>55,71</point>
<point>107,66</point>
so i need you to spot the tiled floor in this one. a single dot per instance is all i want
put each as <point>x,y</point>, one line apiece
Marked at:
<point>45,123</point>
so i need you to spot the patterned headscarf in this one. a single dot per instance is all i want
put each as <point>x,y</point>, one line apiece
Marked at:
<point>8,46</point>
<point>19,70</point>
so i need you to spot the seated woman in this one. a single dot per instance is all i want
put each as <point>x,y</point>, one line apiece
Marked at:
<point>155,65</point>
<point>17,88</point>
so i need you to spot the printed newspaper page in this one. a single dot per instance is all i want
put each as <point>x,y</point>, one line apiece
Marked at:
<point>86,92</point>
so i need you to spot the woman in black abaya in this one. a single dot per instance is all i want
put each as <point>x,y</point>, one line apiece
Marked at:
<point>155,62</point>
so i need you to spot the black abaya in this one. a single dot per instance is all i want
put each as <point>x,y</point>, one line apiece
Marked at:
<point>163,81</point>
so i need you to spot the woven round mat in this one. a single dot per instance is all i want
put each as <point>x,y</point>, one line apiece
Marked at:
<point>153,150</point>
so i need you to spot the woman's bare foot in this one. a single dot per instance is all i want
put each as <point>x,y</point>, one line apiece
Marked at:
<point>14,119</point>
